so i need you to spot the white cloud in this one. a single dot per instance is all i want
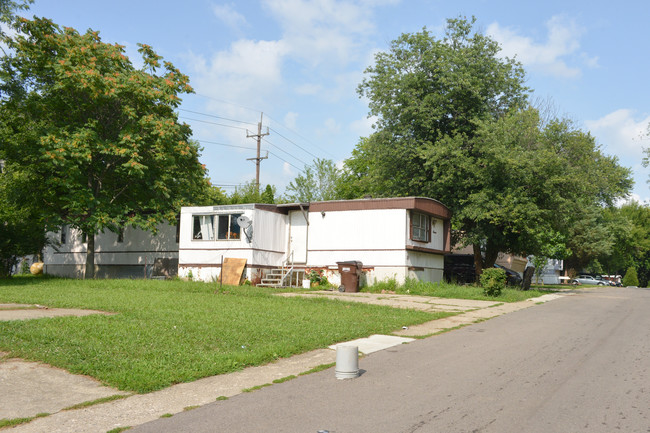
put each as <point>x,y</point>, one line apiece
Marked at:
<point>229,16</point>
<point>562,45</point>
<point>319,40</point>
<point>323,32</point>
<point>233,80</point>
<point>332,126</point>
<point>621,133</point>
<point>624,135</point>
<point>236,75</point>
<point>363,127</point>
<point>290,120</point>
<point>632,198</point>
<point>287,169</point>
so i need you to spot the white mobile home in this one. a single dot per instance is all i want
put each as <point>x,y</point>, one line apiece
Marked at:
<point>394,238</point>
<point>131,253</point>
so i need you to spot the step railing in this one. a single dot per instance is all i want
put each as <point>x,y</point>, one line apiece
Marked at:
<point>287,270</point>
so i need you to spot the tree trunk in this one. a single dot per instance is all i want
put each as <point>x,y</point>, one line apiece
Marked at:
<point>528,277</point>
<point>478,261</point>
<point>90,256</point>
<point>486,262</point>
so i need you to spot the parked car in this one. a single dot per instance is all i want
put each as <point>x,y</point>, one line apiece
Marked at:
<point>459,268</point>
<point>607,282</point>
<point>512,278</point>
<point>588,280</point>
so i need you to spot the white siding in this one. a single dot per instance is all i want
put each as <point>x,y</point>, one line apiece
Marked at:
<point>135,257</point>
<point>378,238</point>
<point>357,230</point>
<point>265,248</point>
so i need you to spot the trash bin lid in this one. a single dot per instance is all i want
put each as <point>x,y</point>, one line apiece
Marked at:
<point>350,263</point>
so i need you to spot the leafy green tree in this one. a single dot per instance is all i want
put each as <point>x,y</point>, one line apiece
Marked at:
<point>318,182</point>
<point>630,277</point>
<point>629,226</point>
<point>268,196</point>
<point>454,124</point>
<point>8,10</point>
<point>249,193</point>
<point>22,230</point>
<point>101,136</point>
<point>209,195</point>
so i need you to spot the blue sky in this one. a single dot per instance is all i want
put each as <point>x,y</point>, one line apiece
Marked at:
<point>299,62</point>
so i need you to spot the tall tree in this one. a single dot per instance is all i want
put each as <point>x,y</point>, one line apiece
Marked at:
<point>629,226</point>
<point>21,226</point>
<point>101,136</point>
<point>8,10</point>
<point>454,124</point>
<point>317,182</point>
<point>249,192</point>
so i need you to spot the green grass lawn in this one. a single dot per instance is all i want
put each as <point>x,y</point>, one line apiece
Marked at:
<point>445,290</point>
<point>168,332</point>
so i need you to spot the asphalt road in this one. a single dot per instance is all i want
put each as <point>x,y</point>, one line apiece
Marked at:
<point>576,364</point>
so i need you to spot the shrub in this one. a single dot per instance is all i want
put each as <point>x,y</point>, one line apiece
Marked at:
<point>630,278</point>
<point>493,281</point>
<point>317,277</point>
<point>24,267</point>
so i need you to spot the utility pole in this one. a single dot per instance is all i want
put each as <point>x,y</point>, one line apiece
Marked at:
<point>259,158</point>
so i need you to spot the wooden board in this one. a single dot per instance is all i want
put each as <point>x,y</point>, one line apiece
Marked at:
<point>232,271</point>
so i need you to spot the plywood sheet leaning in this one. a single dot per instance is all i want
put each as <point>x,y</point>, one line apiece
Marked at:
<point>232,270</point>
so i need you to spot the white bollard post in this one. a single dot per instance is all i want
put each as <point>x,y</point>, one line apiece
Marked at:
<point>347,362</point>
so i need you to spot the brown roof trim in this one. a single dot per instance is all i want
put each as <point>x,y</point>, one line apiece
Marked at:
<point>268,207</point>
<point>293,206</point>
<point>422,204</point>
<point>282,208</point>
<point>425,250</point>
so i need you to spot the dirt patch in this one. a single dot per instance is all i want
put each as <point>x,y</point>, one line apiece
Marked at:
<point>34,311</point>
<point>422,303</point>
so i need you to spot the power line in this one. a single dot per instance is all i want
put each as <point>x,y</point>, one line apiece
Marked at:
<point>248,148</point>
<point>213,123</point>
<point>298,134</point>
<point>217,117</point>
<point>270,117</point>
<point>224,144</point>
<point>282,150</point>
<point>282,159</point>
<point>228,185</point>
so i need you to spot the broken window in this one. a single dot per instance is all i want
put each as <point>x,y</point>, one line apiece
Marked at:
<point>203,227</point>
<point>224,226</point>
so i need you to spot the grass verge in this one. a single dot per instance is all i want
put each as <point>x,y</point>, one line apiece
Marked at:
<point>168,332</point>
<point>97,401</point>
<point>447,290</point>
<point>6,423</point>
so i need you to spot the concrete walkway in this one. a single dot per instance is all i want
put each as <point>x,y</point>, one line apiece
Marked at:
<point>139,409</point>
